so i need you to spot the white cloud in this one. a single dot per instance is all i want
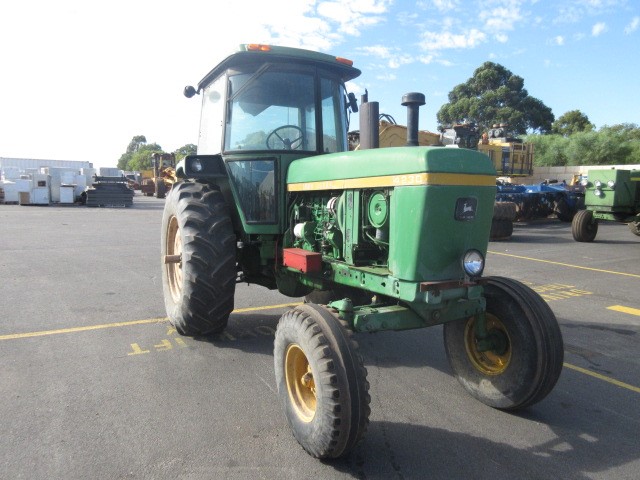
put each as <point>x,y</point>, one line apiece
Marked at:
<point>633,26</point>
<point>380,51</point>
<point>446,5</point>
<point>387,77</point>
<point>440,41</point>
<point>500,14</point>
<point>398,60</point>
<point>559,40</point>
<point>502,38</point>
<point>598,29</point>
<point>353,15</point>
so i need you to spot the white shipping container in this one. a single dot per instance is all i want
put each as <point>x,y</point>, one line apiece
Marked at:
<point>23,184</point>
<point>10,191</point>
<point>81,184</point>
<point>110,172</point>
<point>66,194</point>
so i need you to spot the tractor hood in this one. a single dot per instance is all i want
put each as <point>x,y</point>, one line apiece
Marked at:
<point>391,167</point>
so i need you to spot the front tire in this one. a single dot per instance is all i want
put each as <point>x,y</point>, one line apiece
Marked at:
<point>584,227</point>
<point>199,259</point>
<point>526,359</point>
<point>635,227</point>
<point>321,381</point>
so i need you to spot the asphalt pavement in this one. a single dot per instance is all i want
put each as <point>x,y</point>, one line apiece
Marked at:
<point>94,382</point>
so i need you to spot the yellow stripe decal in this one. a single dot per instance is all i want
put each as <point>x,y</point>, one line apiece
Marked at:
<point>409,179</point>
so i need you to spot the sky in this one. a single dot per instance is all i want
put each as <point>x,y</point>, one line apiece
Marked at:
<point>80,79</point>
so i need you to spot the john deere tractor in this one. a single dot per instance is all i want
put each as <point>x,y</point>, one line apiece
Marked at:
<point>612,195</point>
<point>376,239</point>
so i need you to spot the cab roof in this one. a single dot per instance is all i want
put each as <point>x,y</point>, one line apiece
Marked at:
<point>251,53</point>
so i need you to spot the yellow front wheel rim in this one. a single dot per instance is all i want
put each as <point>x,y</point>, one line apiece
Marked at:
<point>488,362</point>
<point>301,385</point>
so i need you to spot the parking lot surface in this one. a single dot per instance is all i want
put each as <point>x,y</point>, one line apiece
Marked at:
<point>95,383</point>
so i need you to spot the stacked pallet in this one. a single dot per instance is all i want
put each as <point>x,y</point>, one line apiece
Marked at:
<point>109,192</point>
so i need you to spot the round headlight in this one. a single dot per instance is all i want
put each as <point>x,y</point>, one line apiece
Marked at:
<point>196,165</point>
<point>473,263</point>
<point>597,192</point>
<point>611,184</point>
<point>597,183</point>
<point>584,182</point>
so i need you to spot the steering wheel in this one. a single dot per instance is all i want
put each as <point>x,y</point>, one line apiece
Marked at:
<point>274,138</point>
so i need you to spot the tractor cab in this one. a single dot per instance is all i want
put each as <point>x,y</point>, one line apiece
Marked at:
<point>263,107</point>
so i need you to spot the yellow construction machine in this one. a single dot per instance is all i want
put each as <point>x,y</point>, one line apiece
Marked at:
<point>161,177</point>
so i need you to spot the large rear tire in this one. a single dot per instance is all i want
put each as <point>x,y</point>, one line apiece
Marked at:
<point>199,259</point>
<point>584,227</point>
<point>321,381</point>
<point>526,359</point>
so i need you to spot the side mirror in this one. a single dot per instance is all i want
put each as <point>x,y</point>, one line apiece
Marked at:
<point>189,91</point>
<point>353,103</point>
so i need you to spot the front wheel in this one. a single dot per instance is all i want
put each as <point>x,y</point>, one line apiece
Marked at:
<point>635,227</point>
<point>321,381</point>
<point>198,259</point>
<point>584,227</point>
<point>520,360</point>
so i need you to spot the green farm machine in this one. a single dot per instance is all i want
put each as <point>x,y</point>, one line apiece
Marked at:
<point>612,194</point>
<point>375,239</point>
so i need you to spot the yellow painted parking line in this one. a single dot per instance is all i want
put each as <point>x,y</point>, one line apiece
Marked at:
<point>565,264</point>
<point>42,333</point>
<point>604,378</point>
<point>629,310</point>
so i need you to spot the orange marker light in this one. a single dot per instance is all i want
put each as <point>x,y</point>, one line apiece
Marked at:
<point>257,47</point>
<point>346,61</point>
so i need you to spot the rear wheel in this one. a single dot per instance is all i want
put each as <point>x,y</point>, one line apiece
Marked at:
<point>521,358</point>
<point>635,227</point>
<point>564,212</point>
<point>199,261</point>
<point>321,381</point>
<point>584,227</point>
<point>161,189</point>
<point>501,229</point>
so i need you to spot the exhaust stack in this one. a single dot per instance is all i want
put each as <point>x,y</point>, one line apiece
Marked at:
<point>413,101</point>
<point>369,126</point>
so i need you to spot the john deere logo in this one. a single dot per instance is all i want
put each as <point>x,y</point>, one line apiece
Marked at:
<point>466,208</point>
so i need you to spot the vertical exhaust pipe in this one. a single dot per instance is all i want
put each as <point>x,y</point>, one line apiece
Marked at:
<point>413,101</point>
<point>369,126</point>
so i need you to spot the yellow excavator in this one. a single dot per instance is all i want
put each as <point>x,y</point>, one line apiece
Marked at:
<point>160,178</point>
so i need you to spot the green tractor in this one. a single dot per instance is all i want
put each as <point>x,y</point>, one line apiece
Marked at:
<point>612,195</point>
<point>376,239</point>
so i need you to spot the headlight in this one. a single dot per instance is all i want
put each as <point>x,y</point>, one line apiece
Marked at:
<point>611,184</point>
<point>597,192</point>
<point>597,183</point>
<point>196,165</point>
<point>584,182</point>
<point>473,263</point>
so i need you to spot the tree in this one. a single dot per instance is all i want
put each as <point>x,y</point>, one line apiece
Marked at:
<point>188,149</point>
<point>611,145</point>
<point>573,121</point>
<point>134,145</point>
<point>138,155</point>
<point>495,95</point>
<point>142,159</point>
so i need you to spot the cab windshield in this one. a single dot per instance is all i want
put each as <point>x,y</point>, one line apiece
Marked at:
<point>277,110</point>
